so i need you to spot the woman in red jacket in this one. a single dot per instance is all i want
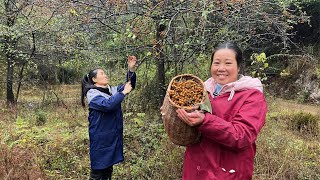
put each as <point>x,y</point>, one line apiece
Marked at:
<point>227,147</point>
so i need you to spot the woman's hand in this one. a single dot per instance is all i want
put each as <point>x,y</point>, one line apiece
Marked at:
<point>127,88</point>
<point>132,60</point>
<point>192,119</point>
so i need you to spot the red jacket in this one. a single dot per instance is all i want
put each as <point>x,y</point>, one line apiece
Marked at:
<point>227,147</point>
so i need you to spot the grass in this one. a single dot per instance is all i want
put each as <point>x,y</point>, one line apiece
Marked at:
<point>284,153</point>
<point>47,138</point>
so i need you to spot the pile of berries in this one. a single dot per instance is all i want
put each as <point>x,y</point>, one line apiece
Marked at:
<point>186,93</point>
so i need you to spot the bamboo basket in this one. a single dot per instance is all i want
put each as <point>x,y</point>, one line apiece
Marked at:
<point>179,132</point>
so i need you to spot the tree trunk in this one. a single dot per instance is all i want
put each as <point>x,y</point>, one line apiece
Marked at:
<point>10,96</point>
<point>160,62</point>
<point>9,44</point>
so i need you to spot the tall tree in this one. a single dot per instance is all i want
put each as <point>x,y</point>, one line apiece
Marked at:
<point>10,40</point>
<point>20,23</point>
<point>175,33</point>
<point>193,28</point>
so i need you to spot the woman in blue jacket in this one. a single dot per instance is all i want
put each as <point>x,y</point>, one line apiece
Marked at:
<point>105,119</point>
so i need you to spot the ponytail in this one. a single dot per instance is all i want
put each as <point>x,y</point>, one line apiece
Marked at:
<point>84,90</point>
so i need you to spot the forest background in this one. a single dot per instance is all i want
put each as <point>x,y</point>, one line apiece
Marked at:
<point>47,46</point>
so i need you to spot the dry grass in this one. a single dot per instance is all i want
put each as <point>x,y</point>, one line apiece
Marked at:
<point>63,92</point>
<point>283,153</point>
<point>292,106</point>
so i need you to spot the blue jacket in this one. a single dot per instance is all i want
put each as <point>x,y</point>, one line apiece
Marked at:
<point>106,125</point>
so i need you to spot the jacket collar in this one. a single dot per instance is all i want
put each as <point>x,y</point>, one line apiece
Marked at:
<point>243,83</point>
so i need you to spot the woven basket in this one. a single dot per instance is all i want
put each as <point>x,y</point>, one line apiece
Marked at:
<point>179,132</point>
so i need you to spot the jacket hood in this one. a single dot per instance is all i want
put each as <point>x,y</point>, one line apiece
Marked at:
<point>243,83</point>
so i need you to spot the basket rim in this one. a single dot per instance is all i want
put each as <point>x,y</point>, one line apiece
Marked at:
<point>183,75</point>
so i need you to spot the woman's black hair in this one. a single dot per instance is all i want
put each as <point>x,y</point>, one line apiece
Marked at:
<point>87,83</point>
<point>232,46</point>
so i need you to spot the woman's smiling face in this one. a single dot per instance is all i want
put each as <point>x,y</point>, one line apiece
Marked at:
<point>224,68</point>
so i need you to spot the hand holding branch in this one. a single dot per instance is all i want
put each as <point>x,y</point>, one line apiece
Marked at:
<point>127,88</point>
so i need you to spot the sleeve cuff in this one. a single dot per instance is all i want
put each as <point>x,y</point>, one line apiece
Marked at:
<point>122,93</point>
<point>205,120</point>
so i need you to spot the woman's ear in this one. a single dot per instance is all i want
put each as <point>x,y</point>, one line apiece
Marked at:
<point>94,80</point>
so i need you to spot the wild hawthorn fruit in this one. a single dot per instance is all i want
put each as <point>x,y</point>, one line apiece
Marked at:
<point>186,93</point>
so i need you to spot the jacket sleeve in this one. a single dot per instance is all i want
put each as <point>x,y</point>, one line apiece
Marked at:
<point>243,128</point>
<point>130,76</point>
<point>101,103</point>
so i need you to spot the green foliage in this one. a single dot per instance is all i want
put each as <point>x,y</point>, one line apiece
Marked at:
<point>146,90</point>
<point>303,95</point>
<point>200,66</point>
<point>259,66</point>
<point>41,117</point>
<point>139,119</point>
<point>285,73</point>
<point>146,150</point>
<point>57,149</point>
<point>286,3</point>
<point>304,123</point>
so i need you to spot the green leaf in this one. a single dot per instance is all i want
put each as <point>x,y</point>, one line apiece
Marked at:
<point>149,53</point>
<point>206,105</point>
<point>205,14</point>
<point>73,12</point>
<point>138,121</point>
<point>127,114</point>
<point>141,114</point>
<point>263,56</point>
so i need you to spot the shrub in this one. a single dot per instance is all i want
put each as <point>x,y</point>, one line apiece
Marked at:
<point>304,123</point>
<point>304,96</point>
<point>41,117</point>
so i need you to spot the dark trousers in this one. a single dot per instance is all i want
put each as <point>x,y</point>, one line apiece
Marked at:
<point>101,174</point>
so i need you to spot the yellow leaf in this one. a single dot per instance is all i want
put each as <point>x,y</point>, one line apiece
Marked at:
<point>73,12</point>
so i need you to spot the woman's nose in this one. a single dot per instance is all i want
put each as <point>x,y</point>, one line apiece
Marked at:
<point>221,67</point>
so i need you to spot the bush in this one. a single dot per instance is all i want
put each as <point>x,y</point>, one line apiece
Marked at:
<point>304,123</point>
<point>303,96</point>
<point>41,117</point>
